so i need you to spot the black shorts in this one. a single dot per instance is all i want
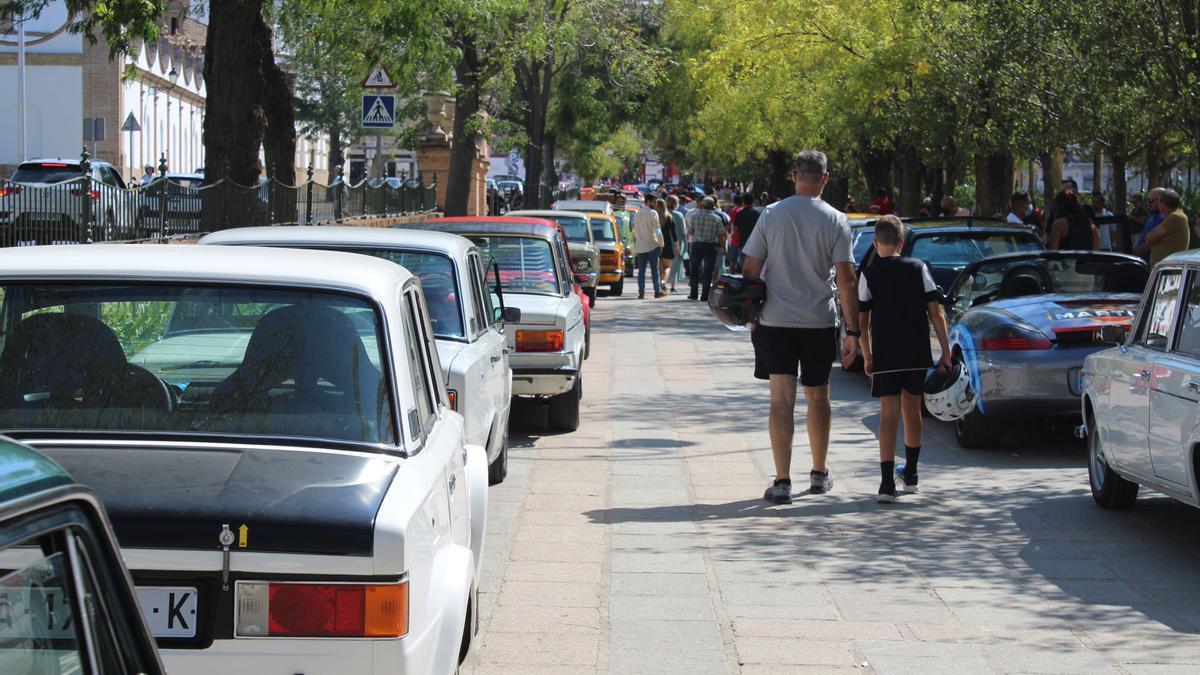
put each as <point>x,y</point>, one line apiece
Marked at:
<point>891,384</point>
<point>807,352</point>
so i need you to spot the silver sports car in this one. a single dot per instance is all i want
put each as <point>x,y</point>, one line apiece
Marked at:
<point>1023,323</point>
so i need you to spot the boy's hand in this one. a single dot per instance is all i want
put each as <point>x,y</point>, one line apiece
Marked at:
<point>849,350</point>
<point>944,364</point>
<point>868,365</point>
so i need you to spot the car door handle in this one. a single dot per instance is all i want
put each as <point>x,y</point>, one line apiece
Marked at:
<point>452,481</point>
<point>496,359</point>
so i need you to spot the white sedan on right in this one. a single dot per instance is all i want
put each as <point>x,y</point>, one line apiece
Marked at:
<point>1141,399</point>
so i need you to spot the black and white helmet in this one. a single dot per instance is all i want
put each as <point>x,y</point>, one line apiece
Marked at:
<point>950,396</point>
<point>736,301</point>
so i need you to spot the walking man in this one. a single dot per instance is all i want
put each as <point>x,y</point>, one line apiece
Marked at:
<point>896,295</point>
<point>798,247</point>
<point>706,231</point>
<point>647,242</point>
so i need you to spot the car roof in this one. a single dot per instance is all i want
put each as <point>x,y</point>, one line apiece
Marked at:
<point>530,227</point>
<point>1189,256</point>
<point>548,213</point>
<point>24,471</point>
<point>207,264</point>
<point>331,234</point>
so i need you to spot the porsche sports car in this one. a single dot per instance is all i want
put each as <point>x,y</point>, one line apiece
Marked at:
<point>1023,323</point>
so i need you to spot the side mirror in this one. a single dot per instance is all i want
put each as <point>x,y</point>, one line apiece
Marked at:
<point>512,315</point>
<point>1113,334</point>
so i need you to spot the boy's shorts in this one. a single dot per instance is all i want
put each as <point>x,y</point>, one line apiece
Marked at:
<point>807,352</point>
<point>891,384</point>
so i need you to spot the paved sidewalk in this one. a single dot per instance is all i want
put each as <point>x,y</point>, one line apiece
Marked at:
<point>640,544</point>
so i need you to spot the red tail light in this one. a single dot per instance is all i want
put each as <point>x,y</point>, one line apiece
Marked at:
<point>1014,338</point>
<point>321,610</point>
<point>540,341</point>
<point>453,396</point>
<point>12,190</point>
<point>95,194</point>
<point>610,259</point>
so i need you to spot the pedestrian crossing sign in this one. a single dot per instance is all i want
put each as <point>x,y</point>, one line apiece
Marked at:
<point>378,111</point>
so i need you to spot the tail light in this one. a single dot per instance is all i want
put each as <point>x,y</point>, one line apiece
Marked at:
<point>270,609</point>
<point>95,194</point>
<point>1014,338</point>
<point>453,396</point>
<point>540,341</point>
<point>12,190</point>
<point>610,259</point>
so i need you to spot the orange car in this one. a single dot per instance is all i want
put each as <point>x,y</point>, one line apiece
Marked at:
<point>606,234</point>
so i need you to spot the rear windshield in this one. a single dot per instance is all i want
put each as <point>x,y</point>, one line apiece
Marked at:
<point>526,263</point>
<point>212,360</point>
<point>959,249</point>
<point>602,229</point>
<point>46,173</point>
<point>862,244</point>
<point>1084,273</point>
<point>575,226</point>
<point>438,281</point>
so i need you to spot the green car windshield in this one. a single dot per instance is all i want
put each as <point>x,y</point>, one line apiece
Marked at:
<point>576,227</point>
<point>179,359</point>
<point>602,229</point>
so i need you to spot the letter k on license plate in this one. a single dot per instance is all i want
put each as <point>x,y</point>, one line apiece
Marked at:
<point>170,611</point>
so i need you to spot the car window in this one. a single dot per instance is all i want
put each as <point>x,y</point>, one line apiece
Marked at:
<point>862,243</point>
<point>576,227</point>
<point>526,264</point>
<point>39,622</point>
<point>564,262</point>
<point>217,360</point>
<point>488,312</point>
<point>439,281</point>
<point>1189,325</point>
<point>1155,329</point>
<point>959,249</point>
<point>602,229</point>
<point>419,418</point>
<point>1067,273</point>
<point>46,172</point>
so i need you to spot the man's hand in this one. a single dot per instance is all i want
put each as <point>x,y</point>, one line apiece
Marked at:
<point>944,363</point>
<point>868,364</point>
<point>849,350</point>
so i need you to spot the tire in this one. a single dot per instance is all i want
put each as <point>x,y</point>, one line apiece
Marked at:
<point>591,295</point>
<point>619,287</point>
<point>976,430</point>
<point>1109,489</point>
<point>587,342</point>
<point>498,469</point>
<point>564,408</point>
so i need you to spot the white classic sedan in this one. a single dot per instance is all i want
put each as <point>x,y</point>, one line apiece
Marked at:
<point>269,433</point>
<point>1141,399</point>
<point>467,317</point>
<point>549,343</point>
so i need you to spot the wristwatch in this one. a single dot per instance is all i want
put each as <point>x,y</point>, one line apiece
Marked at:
<point>854,333</point>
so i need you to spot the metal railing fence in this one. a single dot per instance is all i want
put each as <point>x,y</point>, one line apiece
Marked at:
<point>86,210</point>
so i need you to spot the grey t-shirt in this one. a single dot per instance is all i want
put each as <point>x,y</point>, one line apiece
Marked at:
<point>799,239</point>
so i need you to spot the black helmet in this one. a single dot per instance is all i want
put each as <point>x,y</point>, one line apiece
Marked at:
<point>736,301</point>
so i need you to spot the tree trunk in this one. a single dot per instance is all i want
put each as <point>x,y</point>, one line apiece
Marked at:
<point>279,140</point>
<point>462,148</point>
<point>1157,166</point>
<point>1120,199</point>
<point>234,121</point>
<point>993,183</point>
<point>1052,168</point>
<point>550,146</point>
<point>534,82</point>
<point>779,183</point>
<point>335,150</point>
<point>876,167</point>
<point>910,180</point>
<point>1098,169</point>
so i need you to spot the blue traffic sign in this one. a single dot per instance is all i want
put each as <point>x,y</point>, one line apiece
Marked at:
<point>378,111</point>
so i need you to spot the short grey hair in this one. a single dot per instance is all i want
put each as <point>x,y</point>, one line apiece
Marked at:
<point>811,165</point>
<point>1170,198</point>
<point>889,230</point>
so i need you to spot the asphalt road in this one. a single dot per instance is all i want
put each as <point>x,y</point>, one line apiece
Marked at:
<point>640,544</point>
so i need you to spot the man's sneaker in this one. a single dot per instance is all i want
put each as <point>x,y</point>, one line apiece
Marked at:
<point>819,482</point>
<point>780,492</point>
<point>903,484</point>
<point>887,494</point>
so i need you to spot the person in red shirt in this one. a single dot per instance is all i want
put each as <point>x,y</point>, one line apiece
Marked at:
<point>882,204</point>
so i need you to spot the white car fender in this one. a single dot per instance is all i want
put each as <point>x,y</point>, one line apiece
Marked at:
<point>449,594</point>
<point>477,486</point>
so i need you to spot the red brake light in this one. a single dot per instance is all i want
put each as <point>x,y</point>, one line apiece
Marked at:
<point>1014,338</point>
<point>322,610</point>
<point>540,341</point>
<point>56,165</point>
<point>453,396</point>
<point>13,190</point>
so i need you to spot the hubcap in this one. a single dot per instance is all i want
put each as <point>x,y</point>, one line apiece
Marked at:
<point>1099,465</point>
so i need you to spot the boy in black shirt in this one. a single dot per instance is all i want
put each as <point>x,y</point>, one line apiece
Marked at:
<point>897,300</point>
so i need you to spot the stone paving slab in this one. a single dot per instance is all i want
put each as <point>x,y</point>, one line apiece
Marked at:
<point>640,544</point>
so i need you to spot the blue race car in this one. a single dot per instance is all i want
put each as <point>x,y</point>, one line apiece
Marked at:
<point>1023,323</point>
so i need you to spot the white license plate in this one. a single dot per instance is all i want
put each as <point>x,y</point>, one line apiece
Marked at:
<point>170,611</point>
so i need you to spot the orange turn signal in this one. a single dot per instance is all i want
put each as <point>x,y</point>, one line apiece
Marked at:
<point>386,611</point>
<point>453,397</point>
<point>540,341</point>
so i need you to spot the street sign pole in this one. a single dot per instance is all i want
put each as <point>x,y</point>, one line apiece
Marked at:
<point>378,171</point>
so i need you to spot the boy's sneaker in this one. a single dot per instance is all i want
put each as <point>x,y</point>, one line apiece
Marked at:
<point>780,492</point>
<point>887,494</point>
<point>905,485</point>
<point>819,482</point>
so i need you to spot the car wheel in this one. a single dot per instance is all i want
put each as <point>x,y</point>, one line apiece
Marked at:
<point>564,408</point>
<point>591,295</point>
<point>619,287</point>
<point>1109,489</point>
<point>587,342</point>
<point>976,430</point>
<point>498,469</point>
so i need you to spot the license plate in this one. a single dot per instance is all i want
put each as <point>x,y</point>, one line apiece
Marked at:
<point>170,611</point>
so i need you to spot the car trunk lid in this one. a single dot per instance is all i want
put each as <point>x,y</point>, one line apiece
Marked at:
<point>1069,318</point>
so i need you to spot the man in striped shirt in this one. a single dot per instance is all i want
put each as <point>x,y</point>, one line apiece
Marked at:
<point>706,232</point>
